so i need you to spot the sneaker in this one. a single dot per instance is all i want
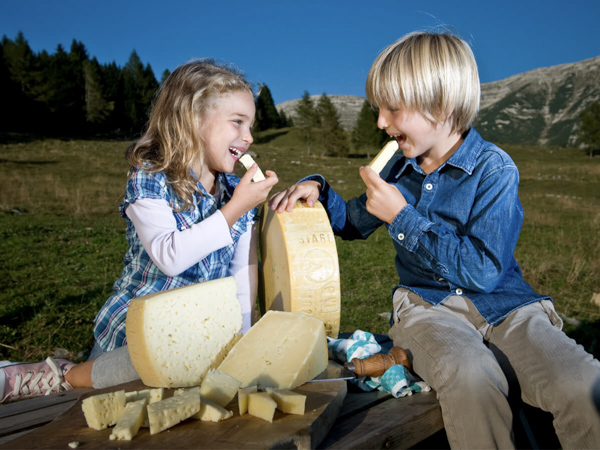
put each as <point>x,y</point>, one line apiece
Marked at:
<point>19,381</point>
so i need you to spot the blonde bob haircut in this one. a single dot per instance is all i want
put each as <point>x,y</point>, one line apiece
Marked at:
<point>434,74</point>
<point>172,141</point>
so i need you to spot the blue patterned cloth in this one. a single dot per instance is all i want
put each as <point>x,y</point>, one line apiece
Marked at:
<point>397,380</point>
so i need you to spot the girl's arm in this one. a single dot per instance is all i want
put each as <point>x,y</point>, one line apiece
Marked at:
<point>172,250</point>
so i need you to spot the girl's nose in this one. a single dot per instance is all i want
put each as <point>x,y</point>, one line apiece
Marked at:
<point>248,137</point>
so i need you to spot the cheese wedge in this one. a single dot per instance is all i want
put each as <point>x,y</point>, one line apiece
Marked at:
<point>384,156</point>
<point>211,412</point>
<point>171,411</point>
<point>243,394</point>
<point>282,350</point>
<point>103,410</point>
<point>247,161</point>
<point>151,395</point>
<point>261,405</point>
<point>219,387</point>
<point>174,337</point>
<point>300,271</point>
<point>289,402</point>
<point>130,421</point>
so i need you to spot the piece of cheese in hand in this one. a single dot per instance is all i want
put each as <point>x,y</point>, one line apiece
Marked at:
<point>300,271</point>
<point>131,420</point>
<point>289,402</point>
<point>219,387</point>
<point>169,412</point>
<point>384,156</point>
<point>247,161</point>
<point>261,405</point>
<point>282,350</point>
<point>243,394</point>
<point>174,337</point>
<point>103,410</point>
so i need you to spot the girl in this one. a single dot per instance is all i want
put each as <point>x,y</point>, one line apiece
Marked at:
<point>188,219</point>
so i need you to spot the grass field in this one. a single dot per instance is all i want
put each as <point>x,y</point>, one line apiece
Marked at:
<point>62,240</point>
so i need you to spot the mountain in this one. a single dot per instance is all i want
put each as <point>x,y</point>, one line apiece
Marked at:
<point>539,107</point>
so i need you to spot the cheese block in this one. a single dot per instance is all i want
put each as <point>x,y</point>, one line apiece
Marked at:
<point>174,337</point>
<point>300,269</point>
<point>151,395</point>
<point>247,161</point>
<point>261,405</point>
<point>130,421</point>
<point>211,412</point>
<point>171,411</point>
<point>103,410</point>
<point>219,387</point>
<point>282,350</point>
<point>289,402</point>
<point>384,155</point>
<point>243,394</point>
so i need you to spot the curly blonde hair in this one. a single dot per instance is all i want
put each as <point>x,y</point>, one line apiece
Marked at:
<point>172,140</point>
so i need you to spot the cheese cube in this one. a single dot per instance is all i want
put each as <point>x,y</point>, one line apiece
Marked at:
<point>282,350</point>
<point>261,405</point>
<point>219,387</point>
<point>300,271</point>
<point>211,412</point>
<point>130,421</point>
<point>243,398</point>
<point>174,337</point>
<point>171,411</point>
<point>103,410</point>
<point>383,157</point>
<point>289,402</point>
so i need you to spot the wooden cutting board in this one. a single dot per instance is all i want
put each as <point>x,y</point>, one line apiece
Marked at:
<point>323,403</point>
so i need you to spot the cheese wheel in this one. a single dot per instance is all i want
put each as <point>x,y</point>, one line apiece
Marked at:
<point>384,156</point>
<point>300,269</point>
<point>282,350</point>
<point>174,337</point>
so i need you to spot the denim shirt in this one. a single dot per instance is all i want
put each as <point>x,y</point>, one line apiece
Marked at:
<point>458,233</point>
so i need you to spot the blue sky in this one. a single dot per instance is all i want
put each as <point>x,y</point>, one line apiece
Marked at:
<point>318,46</point>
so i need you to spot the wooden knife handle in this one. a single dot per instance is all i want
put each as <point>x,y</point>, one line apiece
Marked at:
<point>376,365</point>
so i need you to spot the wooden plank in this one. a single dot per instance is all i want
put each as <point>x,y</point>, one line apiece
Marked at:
<point>24,406</point>
<point>394,423</point>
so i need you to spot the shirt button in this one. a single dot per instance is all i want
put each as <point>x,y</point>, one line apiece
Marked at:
<point>401,237</point>
<point>429,186</point>
<point>459,291</point>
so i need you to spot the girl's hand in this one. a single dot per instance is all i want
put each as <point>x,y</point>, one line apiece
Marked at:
<point>384,200</point>
<point>248,194</point>
<point>285,200</point>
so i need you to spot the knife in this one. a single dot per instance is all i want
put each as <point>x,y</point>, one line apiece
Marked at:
<point>373,366</point>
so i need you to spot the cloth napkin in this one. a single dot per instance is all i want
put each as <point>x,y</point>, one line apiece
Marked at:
<point>397,380</point>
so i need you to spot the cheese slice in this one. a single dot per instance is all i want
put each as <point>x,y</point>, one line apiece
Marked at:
<point>261,405</point>
<point>171,411</point>
<point>384,155</point>
<point>130,421</point>
<point>247,161</point>
<point>289,402</point>
<point>151,395</point>
<point>300,270</point>
<point>219,387</point>
<point>282,350</point>
<point>174,337</point>
<point>243,394</point>
<point>103,410</point>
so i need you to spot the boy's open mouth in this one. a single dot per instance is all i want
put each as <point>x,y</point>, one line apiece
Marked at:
<point>400,138</point>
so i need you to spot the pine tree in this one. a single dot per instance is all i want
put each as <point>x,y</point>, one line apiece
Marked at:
<point>366,136</point>
<point>307,119</point>
<point>333,138</point>
<point>266,114</point>
<point>97,107</point>
<point>589,128</point>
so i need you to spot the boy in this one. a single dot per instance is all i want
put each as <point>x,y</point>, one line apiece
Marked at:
<point>450,203</point>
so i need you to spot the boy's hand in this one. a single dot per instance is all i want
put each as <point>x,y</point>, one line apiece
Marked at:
<point>248,194</point>
<point>384,201</point>
<point>285,200</point>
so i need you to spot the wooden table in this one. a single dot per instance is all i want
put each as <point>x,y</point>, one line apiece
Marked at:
<point>366,420</point>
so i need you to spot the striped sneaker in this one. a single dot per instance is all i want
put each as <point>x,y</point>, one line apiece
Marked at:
<point>19,381</point>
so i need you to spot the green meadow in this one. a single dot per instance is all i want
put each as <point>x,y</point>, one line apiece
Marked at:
<point>62,239</point>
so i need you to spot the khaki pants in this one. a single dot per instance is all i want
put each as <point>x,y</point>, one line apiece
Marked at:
<point>473,365</point>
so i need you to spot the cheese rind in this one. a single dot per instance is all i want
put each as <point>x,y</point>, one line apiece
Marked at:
<point>174,337</point>
<point>282,350</point>
<point>219,387</point>
<point>103,410</point>
<point>289,402</point>
<point>300,271</point>
<point>243,394</point>
<point>247,161</point>
<point>171,411</point>
<point>261,405</point>
<point>384,155</point>
<point>130,421</point>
